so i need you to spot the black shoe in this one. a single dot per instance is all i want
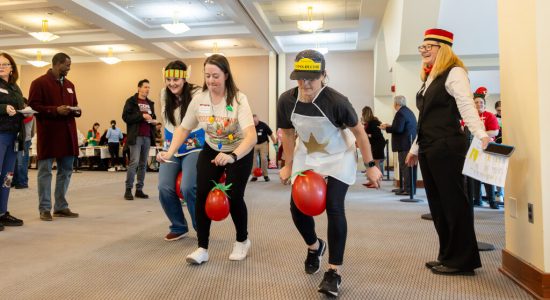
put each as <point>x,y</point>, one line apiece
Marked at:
<point>141,194</point>
<point>266,178</point>
<point>331,283</point>
<point>128,194</point>
<point>1,227</point>
<point>65,213</point>
<point>21,187</point>
<point>402,193</point>
<point>9,220</point>
<point>432,264</point>
<point>253,179</point>
<point>443,270</point>
<point>478,203</point>
<point>494,205</point>
<point>396,190</point>
<point>313,259</point>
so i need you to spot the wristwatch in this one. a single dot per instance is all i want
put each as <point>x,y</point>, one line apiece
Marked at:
<point>234,156</point>
<point>370,164</point>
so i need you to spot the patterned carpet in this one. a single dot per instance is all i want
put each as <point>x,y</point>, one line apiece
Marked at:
<point>115,250</point>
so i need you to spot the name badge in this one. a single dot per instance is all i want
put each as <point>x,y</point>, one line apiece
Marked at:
<point>4,91</point>
<point>70,90</point>
<point>204,109</point>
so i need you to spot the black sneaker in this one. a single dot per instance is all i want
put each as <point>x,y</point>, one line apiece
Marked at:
<point>313,259</point>
<point>141,194</point>
<point>9,220</point>
<point>254,179</point>
<point>266,178</point>
<point>331,283</point>
<point>1,227</point>
<point>128,194</point>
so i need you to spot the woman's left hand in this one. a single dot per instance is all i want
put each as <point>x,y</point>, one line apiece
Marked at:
<point>374,176</point>
<point>222,159</point>
<point>10,110</point>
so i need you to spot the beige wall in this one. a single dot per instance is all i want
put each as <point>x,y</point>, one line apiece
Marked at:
<point>525,73</point>
<point>350,73</point>
<point>102,89</point>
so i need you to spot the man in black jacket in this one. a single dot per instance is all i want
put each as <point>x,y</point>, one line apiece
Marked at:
<point>403,133</point>
<point>139,115</point>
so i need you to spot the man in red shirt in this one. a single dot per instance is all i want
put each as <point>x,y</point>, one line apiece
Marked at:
<point>492,128</point>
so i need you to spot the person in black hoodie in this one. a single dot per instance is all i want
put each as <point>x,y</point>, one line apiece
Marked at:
<point>140,118</point>
<point>12,133</point>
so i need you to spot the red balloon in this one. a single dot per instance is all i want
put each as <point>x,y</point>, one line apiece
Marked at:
<point>178,186</point>
<point>310,193</point>
<point>217,205</point>
<point>257,172</point>
<point>222,178</point>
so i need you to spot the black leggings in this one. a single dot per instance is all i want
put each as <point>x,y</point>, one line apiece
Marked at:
<point>337,224</point>
<point>237,173</point>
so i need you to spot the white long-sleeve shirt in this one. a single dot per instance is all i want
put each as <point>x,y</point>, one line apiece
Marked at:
<point>458,86</point>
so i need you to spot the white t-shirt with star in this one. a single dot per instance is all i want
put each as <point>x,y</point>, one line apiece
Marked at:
<point>223,125</point>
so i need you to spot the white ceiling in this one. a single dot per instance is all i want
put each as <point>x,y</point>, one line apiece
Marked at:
<point>132,28</point>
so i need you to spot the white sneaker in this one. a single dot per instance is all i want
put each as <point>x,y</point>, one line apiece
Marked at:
<point>197,257</point>
<point>112,169</point>
<point>240,250</point>
<point>499,199</point>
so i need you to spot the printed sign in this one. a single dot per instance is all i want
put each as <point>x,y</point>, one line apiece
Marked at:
<point>485,167</point>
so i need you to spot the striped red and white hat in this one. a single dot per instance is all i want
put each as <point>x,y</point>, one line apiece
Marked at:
<point>439,35</point>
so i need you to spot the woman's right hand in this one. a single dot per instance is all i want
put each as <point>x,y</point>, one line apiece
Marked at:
<point>284,174</point>
<point>163,157</point>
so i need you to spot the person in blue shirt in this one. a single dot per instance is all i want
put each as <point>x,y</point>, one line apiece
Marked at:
<point>114,136</point>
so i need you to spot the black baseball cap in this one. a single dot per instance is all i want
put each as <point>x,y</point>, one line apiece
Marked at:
<point>309,65</point>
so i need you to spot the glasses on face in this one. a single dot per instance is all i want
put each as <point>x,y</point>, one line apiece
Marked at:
<point>427,47</point>
<point>5,65</point>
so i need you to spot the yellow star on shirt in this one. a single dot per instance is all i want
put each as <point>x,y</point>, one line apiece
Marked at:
<point>313,146</point>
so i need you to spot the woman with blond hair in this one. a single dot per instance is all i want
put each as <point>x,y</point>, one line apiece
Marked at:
<point>443,100</point>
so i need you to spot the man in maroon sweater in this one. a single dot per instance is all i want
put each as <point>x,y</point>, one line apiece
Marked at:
<point>54,97</point>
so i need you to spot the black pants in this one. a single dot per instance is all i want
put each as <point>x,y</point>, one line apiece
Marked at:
<point>452,215</point>
<point>337,225</point>
<point>113,151</point>
<point>237,174</point>
<point>405,173</point>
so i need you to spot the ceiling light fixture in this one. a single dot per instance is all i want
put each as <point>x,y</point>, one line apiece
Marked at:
<point>44,35</point>
<point>110,59</point>
<point>215,50</point>
<point>176,27</point>
<point>39,63</point>
<point>310,25</point>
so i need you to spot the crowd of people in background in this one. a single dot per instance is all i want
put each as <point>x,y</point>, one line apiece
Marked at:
<point>209,132</point>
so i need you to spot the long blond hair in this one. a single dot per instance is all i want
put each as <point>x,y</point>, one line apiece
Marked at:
<point>445,59</point>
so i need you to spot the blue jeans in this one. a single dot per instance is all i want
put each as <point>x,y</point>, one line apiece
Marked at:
<point>21,174</point>
<point>7,163</point>
<point>167,190</point>
<point>138,162</point>
<point>62,180</point>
